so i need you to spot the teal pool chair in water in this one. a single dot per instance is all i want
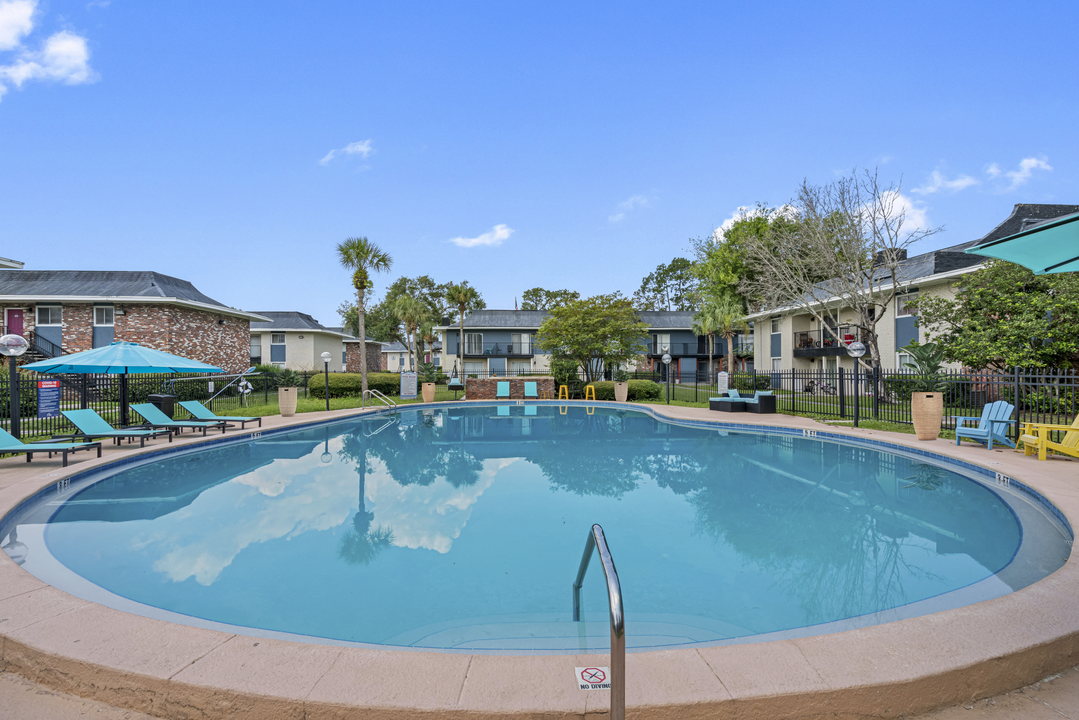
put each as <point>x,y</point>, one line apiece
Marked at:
<point>155,418</point>
<point>201,412</point>
<point>11,444</point>
<point>530,391</point>
<point>503,410</point>
<point>90,425</point>
<point>503,391</point>
<point>992,425</point>
<point>530,409</point>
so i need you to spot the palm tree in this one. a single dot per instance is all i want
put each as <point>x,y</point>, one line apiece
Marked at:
<point>729,318</point>
<point>462,297</point>
<point>362,257</point>
<point>704,324</point>
<point>412,313</point>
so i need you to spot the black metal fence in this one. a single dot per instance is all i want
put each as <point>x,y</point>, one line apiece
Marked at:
<point>103,394</point>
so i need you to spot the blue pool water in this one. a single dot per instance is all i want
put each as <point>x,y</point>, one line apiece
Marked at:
<point>462,528</point>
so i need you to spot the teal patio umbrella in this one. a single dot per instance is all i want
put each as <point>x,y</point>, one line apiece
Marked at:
<point>1049,247</point>
<point>121,358</point>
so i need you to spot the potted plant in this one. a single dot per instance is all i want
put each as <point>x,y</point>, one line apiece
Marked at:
<point>288,381</point>
<point>621,385</point>
<point>927,396</point>
<point>428,376</point>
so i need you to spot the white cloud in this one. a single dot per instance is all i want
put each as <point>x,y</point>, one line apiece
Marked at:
<point>495,237</point>
<point>993,170</point>
<point>363,149</point>
<point>16,21</point>
<point>64,57</point>
<point>627,205</point>
<point>1027,166</point>
<point>937,182</point>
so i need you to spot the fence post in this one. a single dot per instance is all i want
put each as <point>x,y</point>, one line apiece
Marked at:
<point>876,392</point>
<point>842,394</point>
<point>1018,404</point>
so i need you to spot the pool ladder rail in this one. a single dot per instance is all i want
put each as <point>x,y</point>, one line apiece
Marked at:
<point>597,541</point>
<point>373,395</point>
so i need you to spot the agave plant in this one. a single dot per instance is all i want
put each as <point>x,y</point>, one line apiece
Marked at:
<point>927,361</point>
<point>289,378</point>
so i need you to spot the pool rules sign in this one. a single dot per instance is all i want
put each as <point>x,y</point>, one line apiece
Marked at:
<point>593,678</point>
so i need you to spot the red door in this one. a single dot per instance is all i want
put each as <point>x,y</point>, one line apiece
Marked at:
<point>14,322</point>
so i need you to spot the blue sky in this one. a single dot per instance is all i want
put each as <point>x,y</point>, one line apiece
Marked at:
<point>564,145</point>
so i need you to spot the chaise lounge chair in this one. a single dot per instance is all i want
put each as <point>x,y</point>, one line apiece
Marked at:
<point>201,412</point>
<point>157,419</point>
<point>530,391</point>
<point>11,444</point>
<point>503,391</point>
<point>1037,436</point>
<point>90,425</point>
<point>992,425</point>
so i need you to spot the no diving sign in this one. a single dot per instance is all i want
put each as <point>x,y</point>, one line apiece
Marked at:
<point>593,678</point>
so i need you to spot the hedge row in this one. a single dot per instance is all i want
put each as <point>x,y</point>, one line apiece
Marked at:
<point>638,390</point>
<point>350,384</point>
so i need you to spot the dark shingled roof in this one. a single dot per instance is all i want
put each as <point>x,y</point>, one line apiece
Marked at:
<point>290,320</point>
<point>668,319</point>
<point>99,283</point>
<point>505,319</point>
<point>1023,217</point>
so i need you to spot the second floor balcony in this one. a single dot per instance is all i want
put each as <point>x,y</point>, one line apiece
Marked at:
<point>496,349</point>
<point>822,343</point>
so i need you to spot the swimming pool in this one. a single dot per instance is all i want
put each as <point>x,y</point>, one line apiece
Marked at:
<point>460,529</point>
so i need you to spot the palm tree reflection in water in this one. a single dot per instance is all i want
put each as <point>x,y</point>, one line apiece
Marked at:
<point>361,545</point>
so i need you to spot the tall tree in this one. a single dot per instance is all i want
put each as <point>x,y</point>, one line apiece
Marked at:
<point>412,312</point>
<point>464,298</point>
<point>539,299</point>
<point>673,286</point>
<point>601,331</point>
<point>1005,316</point>
<point>729,318</point>
<point>704,324</point>
<point>383,324</point>
<point>363,257</point>
<point>853,232</point>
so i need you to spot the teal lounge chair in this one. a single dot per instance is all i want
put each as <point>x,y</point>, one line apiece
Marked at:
<point>503,391</point>
<point>90,425</point>
<point>530,391</point>
<point>11,444</point>
<point>155,418</point>
<point>201,412</point>
<point>992,425</point>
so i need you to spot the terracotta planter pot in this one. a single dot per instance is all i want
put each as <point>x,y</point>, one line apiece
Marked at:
<point>286,401</point>
<point>927,410</point>
<point>621,391</point>
<point>428,390</point>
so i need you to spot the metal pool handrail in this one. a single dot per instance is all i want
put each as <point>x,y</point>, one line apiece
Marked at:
<point>376,395</point>
<point>597,541</point>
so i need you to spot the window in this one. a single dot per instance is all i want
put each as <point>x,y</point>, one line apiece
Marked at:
<point>900,359</point>
<point>474,368</point>
<point>902,309</point>
<point>520,367</point>
<point>277,348</point>
<point>49,315</point>
<point>256,346</point>
<point>520,344</point>
<point>473,343</point>
<point>775,325</point>
<point>277,338</point>
<point>777,364</point>
<point>102,315</point>
<point>661,343</point>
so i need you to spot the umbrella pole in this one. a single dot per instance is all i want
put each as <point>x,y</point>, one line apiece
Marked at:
<point>123,401</point>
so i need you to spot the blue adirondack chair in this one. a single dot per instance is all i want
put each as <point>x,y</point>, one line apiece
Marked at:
<point>530,391</point>
<point>992,425</point>
<point>503,390</point>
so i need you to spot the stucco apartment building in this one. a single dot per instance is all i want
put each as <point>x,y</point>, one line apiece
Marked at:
<point>503,342</point>
<point>295,341</point>
<point>68,311</point>
<point>792,339</point>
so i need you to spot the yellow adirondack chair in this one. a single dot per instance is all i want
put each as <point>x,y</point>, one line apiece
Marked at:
<point>1038,436</point>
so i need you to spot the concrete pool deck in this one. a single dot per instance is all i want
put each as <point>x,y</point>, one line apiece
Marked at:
<point>901,668</point>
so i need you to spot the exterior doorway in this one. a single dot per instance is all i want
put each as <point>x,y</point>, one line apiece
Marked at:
<point>13,321</point>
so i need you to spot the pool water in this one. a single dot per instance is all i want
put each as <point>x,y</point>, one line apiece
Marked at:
<point>462,528</point>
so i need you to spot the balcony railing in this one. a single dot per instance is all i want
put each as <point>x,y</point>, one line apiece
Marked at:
<point>810,343</point>
<point>504,349</point>
<point>700,348</point>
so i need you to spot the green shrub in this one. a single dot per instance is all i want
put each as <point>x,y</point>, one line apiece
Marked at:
<point>27,399</point>
<point>564,370</point>
<point>743,382</point>
<point>638,390</point>
<point>351,384</point>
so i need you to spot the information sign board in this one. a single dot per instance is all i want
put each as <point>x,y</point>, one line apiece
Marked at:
<point>48,398</point>
<point>408,386</point>
<point>723,381</point>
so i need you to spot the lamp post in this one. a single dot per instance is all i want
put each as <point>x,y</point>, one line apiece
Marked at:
<point>11,347</point>
<point>667,363</point>
<point>326,364</point>
<point>856,350</point>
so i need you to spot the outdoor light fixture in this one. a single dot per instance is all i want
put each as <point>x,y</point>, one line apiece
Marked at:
<point>856,350</point>
<point>667,362</point>
<point>326,357</point>
<point>11,347</point>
